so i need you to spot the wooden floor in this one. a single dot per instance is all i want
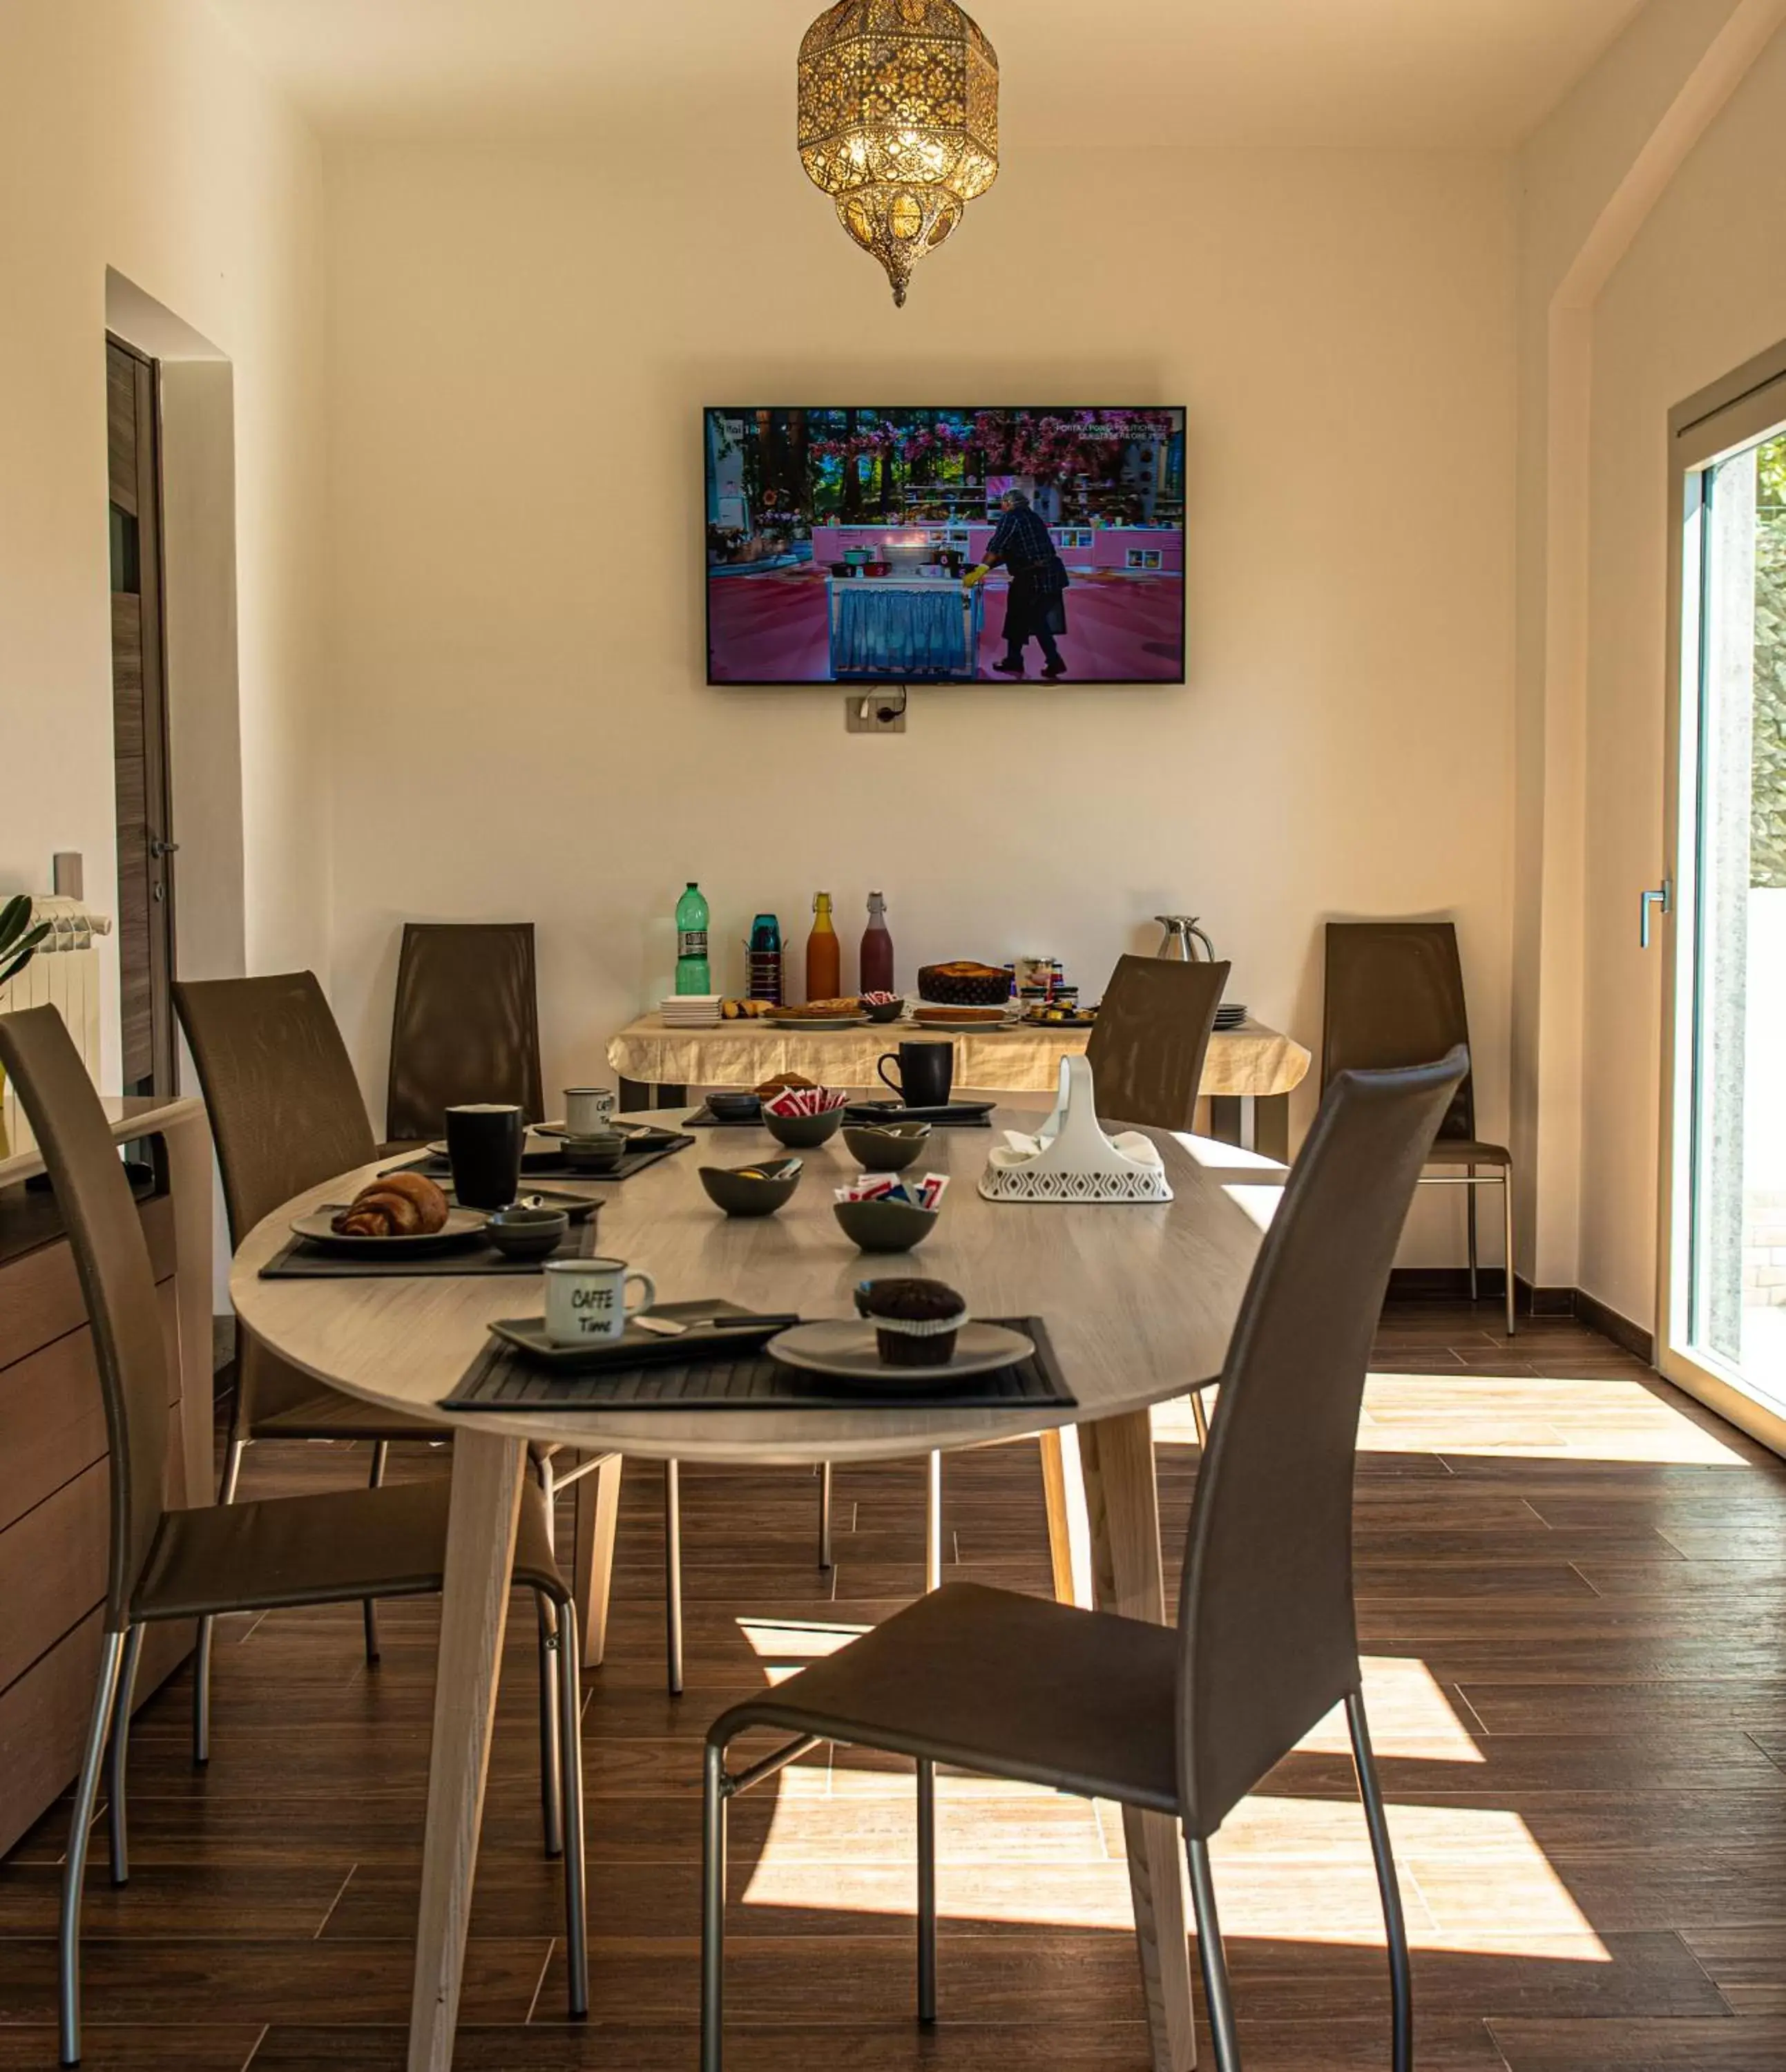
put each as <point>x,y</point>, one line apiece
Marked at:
<point>1573,1599</point>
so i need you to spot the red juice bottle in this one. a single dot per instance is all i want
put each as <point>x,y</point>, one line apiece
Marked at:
<point>877,948</point>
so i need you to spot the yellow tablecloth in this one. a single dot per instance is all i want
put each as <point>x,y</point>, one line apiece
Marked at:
<point>1251,1062</point>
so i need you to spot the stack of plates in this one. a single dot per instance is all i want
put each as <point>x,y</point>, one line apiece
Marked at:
<point>1230,1017</point>
<point>691,1010</point>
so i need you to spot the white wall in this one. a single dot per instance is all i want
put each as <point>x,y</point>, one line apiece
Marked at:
<point>520,349</point>
<point>1702,289</point>
<point>134,135</point>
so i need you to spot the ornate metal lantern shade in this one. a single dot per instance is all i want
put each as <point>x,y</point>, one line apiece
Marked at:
<point>899,122</point>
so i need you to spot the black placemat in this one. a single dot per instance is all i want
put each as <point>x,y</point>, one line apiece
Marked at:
<point>952,1114</point>
<point>552,1165</point>
<point>500,1378</point>
<point>704,1118</point>
<point>297,1260</point>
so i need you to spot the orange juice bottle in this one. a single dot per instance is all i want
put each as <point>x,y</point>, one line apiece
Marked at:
<point>824,959</point>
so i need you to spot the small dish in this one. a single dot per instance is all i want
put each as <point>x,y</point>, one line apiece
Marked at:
<point>520,1233</point>
<point>752,1191</point>
<point>885,1011</point>
<point>884,1226</point>
<point>889,1148</point>
<point>804,1132</point>
<point>735,1107</point>
<point>595,1154</point>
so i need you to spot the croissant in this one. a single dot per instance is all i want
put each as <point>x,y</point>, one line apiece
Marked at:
<point>400,1205</point>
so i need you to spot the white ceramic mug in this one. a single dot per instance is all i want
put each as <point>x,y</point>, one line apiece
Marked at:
<point>586,1300</point>
<point>589,1111</point>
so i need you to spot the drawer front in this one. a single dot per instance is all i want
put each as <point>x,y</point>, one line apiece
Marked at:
<point>40,1293</point>
<point>52,1569</point>
<point>52,1424</point>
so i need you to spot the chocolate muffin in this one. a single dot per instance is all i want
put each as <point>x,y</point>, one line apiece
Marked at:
<point>915,1321</point>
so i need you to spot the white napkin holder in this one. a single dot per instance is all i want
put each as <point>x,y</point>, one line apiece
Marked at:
<point>1070,1159</point>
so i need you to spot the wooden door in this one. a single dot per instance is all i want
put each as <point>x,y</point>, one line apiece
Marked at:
<point>139,719</point>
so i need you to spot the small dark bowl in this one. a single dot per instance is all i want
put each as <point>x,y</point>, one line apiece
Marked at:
<point>758,1190</point>
<point>804,1132</point>
<point>884,1226</point>
<point>888,1010</point>
<point>887,1148</point>
<point>595,1154</point>
<point>527,1233</point>
<point>735,1107</point>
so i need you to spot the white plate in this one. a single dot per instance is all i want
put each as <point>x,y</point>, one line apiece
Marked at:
<point>847,1350</point>
<point>462,1227</point>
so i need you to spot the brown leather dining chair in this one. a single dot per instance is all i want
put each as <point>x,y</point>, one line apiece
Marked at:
<point>284,1552</point>
<point>1395,996</point>
<point>1151,1036</point>
<point>286,1115</point>
<point>1146,1054</point>
<point>1187,1722</point>
<point>465,1026</point>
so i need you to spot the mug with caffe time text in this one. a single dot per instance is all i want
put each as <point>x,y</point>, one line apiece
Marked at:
<point>586,1300</point>
<point>589,1111</point>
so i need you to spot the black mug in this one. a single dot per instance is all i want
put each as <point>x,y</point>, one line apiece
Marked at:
<point>926,1073</point>
<point>484,1141</point>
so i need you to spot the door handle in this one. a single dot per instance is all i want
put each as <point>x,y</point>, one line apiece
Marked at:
<point>1660,898</point>
<point>159,845</point>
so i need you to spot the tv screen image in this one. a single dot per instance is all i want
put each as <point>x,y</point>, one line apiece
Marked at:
<point>844,546</point>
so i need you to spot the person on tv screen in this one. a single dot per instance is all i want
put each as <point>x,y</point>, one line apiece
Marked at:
<point>1035,605</point>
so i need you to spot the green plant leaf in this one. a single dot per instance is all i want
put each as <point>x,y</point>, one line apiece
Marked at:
<point>15,918</point>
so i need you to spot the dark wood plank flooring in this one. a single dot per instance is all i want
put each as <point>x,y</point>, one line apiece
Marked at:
<point>1572,1590</point>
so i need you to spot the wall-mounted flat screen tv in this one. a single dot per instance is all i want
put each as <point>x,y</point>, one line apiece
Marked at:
<point>945,546</point>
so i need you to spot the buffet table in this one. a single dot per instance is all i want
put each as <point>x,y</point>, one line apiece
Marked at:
<point>1248,1075</point>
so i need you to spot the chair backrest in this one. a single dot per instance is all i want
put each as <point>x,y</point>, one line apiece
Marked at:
<point>1395,997</point>
<point>285,1108</point>
<point>1152,1033</point>
<point>1268,1640</point>
<point>117,1279</point>
<point>466,1025</point>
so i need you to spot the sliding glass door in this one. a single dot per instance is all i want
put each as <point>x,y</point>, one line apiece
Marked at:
<point>1724,1238</point>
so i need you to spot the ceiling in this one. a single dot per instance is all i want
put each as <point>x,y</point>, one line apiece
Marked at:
<point>1405,73</point>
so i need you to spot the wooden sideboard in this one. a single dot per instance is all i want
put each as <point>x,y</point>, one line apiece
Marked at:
<point>55,1482</point>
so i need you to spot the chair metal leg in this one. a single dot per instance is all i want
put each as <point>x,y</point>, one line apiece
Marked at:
<point>570,1741</point>
<point>1400,1971</point>
<point>926,1892</point>
<point>1507,1224</point>
<point>932,1527</point>
<point>552,1761</point>
<point>715,1791</point>
<point>1209,1955</point>
<point>1469,1198</point>
<point>201,1660</point>
<point>824,1514</point>
<point>1201,1417</point>
<point>672,1571</point>
<point>381,1458</point>
<point>111,1659</point>
<point>116,1763</point>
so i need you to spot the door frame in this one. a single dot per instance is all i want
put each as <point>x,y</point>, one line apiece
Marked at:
<point>1708,427</point>
<point>156,725</point>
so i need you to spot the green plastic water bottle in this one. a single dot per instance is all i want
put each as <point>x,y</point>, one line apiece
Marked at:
<point>693,974</point>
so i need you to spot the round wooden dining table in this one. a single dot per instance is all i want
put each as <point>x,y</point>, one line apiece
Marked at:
<point>1140,1301</point>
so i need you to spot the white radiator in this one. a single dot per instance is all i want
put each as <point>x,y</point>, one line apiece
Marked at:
<point>64,973</point>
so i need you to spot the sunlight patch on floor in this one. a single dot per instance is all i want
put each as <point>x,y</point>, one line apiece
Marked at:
<point>1533,1417</point>
<point>1287,1870</point>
